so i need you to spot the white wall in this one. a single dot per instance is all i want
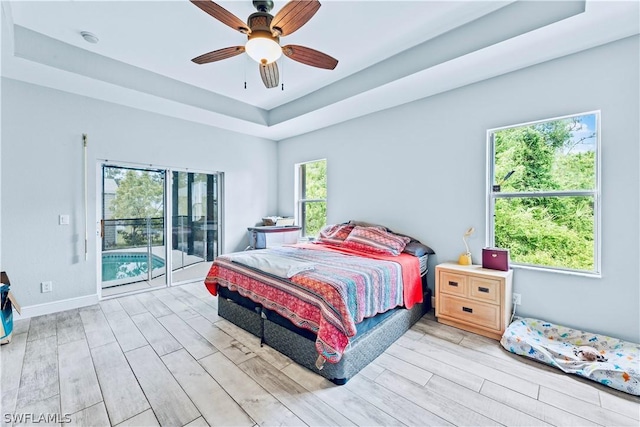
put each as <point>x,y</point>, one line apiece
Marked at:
<point>42,177</point>
<point>420,169</point>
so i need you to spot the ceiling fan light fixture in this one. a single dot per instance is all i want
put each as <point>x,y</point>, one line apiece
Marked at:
<point>263,50</point>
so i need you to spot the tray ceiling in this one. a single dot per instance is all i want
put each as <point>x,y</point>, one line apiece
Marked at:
<point>390,53</point>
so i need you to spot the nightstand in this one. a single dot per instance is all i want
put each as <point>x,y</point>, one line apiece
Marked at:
<point>473,298</point>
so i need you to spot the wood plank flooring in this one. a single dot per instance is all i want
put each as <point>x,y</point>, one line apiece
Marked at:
<point>165,358</point>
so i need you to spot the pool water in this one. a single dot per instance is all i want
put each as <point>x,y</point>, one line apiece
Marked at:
<point>123,265</point>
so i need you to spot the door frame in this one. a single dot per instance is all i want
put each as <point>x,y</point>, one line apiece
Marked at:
<point>168,209</point>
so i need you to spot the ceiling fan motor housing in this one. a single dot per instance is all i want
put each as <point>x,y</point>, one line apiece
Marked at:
<point>260,21</point>
<point>260,24</point>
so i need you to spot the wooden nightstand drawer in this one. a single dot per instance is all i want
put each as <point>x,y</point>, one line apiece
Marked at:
<point>464,310</point>
<point>451,283</point>
<point>484,289</point>
<point>473,298</point>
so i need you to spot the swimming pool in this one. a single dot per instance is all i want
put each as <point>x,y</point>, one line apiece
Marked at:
<point>128,265</point>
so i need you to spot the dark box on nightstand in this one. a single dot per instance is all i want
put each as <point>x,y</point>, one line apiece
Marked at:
<point>495,259</point>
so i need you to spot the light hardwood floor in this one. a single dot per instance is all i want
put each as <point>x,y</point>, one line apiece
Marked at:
<point>166,358</point>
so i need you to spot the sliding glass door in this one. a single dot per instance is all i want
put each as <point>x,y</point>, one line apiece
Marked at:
<point>156,221</point>
<point>194,220</point>
<point>132,226</point>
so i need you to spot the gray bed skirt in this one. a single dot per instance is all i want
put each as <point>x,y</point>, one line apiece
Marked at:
<point>360,352</point>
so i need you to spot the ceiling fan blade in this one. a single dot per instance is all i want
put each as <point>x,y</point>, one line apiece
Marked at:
<point>219,54</point>
<point>309,56</point>
<point>222,15</point>
<point>293,16</point>
<point>270,74</point>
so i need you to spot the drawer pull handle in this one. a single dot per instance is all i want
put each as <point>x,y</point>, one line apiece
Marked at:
<point>467,309</point>
<point>481,289</point>
<point>452,283</point>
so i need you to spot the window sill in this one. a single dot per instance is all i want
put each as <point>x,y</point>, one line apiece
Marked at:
<point>558,271</point>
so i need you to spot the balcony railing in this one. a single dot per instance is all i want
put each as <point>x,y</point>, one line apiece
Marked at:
<point>192,242</point>
<point>132,233</point>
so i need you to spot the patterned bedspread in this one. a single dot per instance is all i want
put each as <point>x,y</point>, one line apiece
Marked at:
<point>329,300</point>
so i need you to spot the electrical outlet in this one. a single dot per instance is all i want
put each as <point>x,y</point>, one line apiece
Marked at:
<point>46,286</point>
<point>517,299</point>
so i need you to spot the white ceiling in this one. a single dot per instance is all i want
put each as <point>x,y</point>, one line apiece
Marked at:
<point>389,52</point>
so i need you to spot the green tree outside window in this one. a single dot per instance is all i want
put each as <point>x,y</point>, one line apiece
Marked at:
<point>139,196</point>
<point>313,197</point>
<point>545,212</point>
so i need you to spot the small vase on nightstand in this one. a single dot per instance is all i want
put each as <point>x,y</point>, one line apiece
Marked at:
<point>464,258</point>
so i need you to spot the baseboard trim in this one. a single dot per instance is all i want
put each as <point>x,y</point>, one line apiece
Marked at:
<point>56,306</point>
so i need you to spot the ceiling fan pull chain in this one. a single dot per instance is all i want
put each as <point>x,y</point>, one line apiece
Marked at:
<point>245,75</point>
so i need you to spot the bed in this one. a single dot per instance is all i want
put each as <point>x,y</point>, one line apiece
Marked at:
<point>331,306</point>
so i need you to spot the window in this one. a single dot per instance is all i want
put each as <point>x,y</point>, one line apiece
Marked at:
<point>311,196</point>
<point>543,190</point>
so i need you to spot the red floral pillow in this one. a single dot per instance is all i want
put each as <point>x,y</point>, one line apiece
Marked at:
<point>335,234</point>
<point>375,240</point>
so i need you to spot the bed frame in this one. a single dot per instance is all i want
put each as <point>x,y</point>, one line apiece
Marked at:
<point>299,344</point>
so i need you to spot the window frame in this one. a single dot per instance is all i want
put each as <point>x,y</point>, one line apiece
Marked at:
<point>492,196</point>
<point>300,202</point>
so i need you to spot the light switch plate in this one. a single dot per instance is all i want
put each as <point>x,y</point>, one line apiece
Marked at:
<point>64,219</point>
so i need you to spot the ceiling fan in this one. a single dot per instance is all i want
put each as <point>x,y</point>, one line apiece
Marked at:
<point>263,31</point>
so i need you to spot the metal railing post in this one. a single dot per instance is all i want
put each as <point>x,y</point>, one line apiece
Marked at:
<point>182,239</point>
<point>149,257</point>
